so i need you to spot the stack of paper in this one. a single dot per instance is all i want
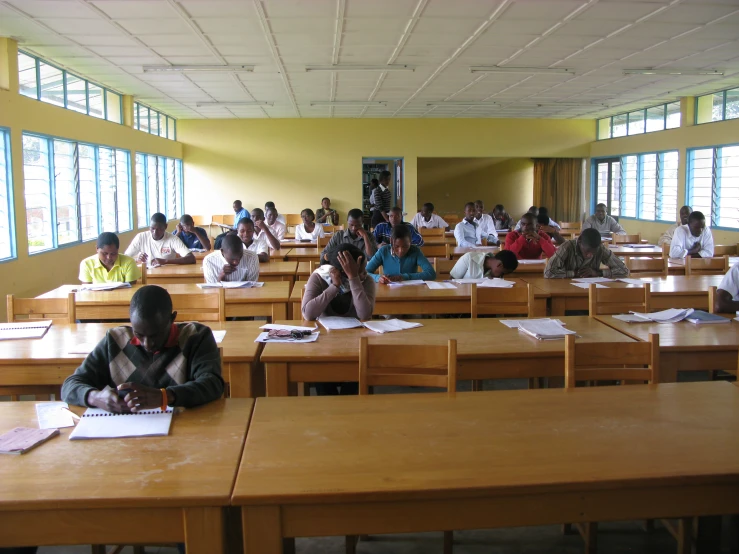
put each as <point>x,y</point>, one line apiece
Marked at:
<point>198,250</point>
<point>673,315</point>
<point>53,415</point>
<point>468,281</point>
<point>516,323</point>
<point>99,424</point>
<point>410,282</point>
<point>24,330</point>
<point>544,329</point>
<point>699,317</point>
<point>390,325</point>
<point>105,286</point>
<point>526,262</point>
<point>264,337</point>
<point>439,285</point>
<point>495,284</point>
<point>593,280</point>
<point>335,323</point>
<point>231,285</point>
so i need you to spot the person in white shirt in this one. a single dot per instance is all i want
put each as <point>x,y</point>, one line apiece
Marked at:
<point>276,227</point>
<point>262,230</point>
<point>427,219</point>
<point>603,223</point>
<point>271,206</point>
<point>467,232</point>
<point>245,231</point>
<point>480,265</point>
<point>486,223</point>
<point>309,229</point>
<point>231,262</point>
<point>726,299</point>
<point>666,237</point>
<point>694,239</point>
<point>157,247</point>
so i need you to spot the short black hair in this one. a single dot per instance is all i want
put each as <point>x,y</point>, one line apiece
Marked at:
<point>542,219</point>
<point>543,210</point>
<point>268,205</point>
<point>332,256</point>
<point>429,206</point>
<point>533,209</point>
<point>591,238</point>
<point>696,216</point>
<point>151,302</point>
<point>385,174</point>
<point>187,219</point>
<point>309,213</point>
<point>258,212</point>
<point>106,239</point>
<point>232,243</point>
<point>238,202</point>
<point>397,210</point>
<point>159,218</point>
<point>508,259</point>
<point>400,232</point>
<point>469,204</point>
<point>325,198</point>
<point>245,221</point>
<point>499,208</point>
<point>532,217</point>
<point>601,204</point>
<point>479,202</point>
<point>356,213</point>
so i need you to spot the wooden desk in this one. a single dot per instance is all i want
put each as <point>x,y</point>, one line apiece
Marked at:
<point>627,251</point>
<point>269,300</point>
<point>459,251</point>
<point>175,274</point>
<point>677,267</point>
<point>303,271</point>
<point>47,361</point>
<point>276,270</point>
<point>685,346</point>
<point>667,292</point>
<point>534,267</point>
<point>425,462</point>
<point>303,254</point>
<point>125,491</point>
<point>486,349</point>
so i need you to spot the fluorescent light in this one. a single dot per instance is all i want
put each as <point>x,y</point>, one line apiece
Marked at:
<point>461,103</point>
<point>672,72</point>
<point>381,67</point>
<point>349,104</point>
<point>231,104</point>
<point>194,68</point>
<point>496,69</point>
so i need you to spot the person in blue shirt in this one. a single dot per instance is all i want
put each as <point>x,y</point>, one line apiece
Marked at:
<point>400,260</point>
<point>384,230</point>
<point>240,212</point>
<point>193,237</point>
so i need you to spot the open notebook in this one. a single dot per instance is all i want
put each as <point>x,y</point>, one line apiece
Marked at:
<point>24,330</point>
<point>99,424</point>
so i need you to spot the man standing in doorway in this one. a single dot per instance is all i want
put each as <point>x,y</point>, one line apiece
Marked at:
<point>383,197</point>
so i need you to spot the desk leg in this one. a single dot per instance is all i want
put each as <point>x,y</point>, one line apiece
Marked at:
<point>708,538</point>
<point>559,306</point>
<point>262,530</point>
<point>540,307</point>
<point>279,311</point>
<point>204,530</point>
<point>240,380</point>
<point>277,384</point>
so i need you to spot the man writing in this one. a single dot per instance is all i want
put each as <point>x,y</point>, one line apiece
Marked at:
<point>503,221</point>
<point>156,247</point>
<point>529,243</point>
<point>353,234</point>
<point>231,263</point>
<point>583,257</point>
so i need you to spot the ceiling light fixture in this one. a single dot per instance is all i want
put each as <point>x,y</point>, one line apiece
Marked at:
<point>196,68</point>
<point>231,104</point>
<point>496,69</point>
<point>462,103</point>
<point>381,67</point>
<point>346,104</point>
<point>672,72</point>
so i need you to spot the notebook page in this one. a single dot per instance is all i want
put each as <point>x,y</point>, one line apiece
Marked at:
<point>99,424</point>
<point>24,330</point>
<point>437,285</point>
<point>390,325</point>
<point>333,323</point>
<point>495,284</point>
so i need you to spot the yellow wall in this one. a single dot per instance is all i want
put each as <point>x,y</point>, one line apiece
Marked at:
<point>691,136</point>
<point>451,182</point>
<point>31,275</point>
<point>295,162</point>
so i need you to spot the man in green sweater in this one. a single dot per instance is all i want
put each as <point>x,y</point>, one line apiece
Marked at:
<point>153,363</point>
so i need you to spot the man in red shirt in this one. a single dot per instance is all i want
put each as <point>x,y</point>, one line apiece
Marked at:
<point>528,243</point>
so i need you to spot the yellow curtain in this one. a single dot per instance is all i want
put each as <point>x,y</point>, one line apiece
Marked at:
<point>557,183</point>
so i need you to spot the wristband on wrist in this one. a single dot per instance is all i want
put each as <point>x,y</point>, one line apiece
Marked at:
<point>163,407</point>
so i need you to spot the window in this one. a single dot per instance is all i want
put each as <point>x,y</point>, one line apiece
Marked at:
<point>74,191</point>
<point>717,106</point>
<point>158,187</point>
<point>42,81</point>
<point>151,121</point>
<point>7,225</point>
<point>713,184</point>
<point>656,118</point>
<point>641,186</point>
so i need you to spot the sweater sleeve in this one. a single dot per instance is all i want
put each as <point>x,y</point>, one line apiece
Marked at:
<point>516,245</point>
<point>315,299</point>
<point>616,227</point>
<point>93,374</point>
<point>374,264</point>
<point>205,383</point>
<point>587,224</point>
<point>428,273</point>
<point>546,245</point>
<point>363,297</point>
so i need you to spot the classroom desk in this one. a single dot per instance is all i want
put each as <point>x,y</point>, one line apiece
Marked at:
<point>685,346</point>
<point>438,241</point>
<point>303,271</point>
<point>677,267</point>
<point>425,462</point>
<point>47,361</point>
<point>303,254</point>
<point>154,490</point>
<point>628,251</point>
<point>459,251</point>
<point>530,266</point>
<point>486,349</point>
<point>269,300</point>
<point>274,270</point>
<point>667,292</point>
<point>200,255</point>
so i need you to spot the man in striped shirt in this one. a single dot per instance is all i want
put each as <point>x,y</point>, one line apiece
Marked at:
<point>383,198</point>
<point>232,262</point>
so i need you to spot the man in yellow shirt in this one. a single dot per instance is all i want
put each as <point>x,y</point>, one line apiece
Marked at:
<point>107,266</point>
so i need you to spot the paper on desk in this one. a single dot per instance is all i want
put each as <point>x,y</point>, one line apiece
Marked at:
<point>631,281</point>
<point>516,323</point>
<point>264,337</point>
<point>270,326</point>
<point>526,262</point>
<point>438,285</point>
<point>495,284</point>
<point>587,285</point>
<point>336,323</point>
<point>218,335</point>
<point>53,415</point>
<point>468,281</point>
<point>231,285</point>
<point>593,280</point>
<point>483,247</point>
<point>410,282</point>
<point>105,286</point>
<point>198,250</point>
<point>390,325</point>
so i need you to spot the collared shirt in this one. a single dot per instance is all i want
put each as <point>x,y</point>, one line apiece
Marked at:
<point>124,270</point>
<point>406,267</point>
<point>191,240</point>
<point>258,245</point>
<point>666,237</point>
<point>505,225</point>
<point>730,283</point>
<point>683,240</point>
<point>278,229</point>
<point>241,214</point>
<point>608,225</point>
<point>529,250</point>
<point>551,223</point>
<point>487,228</point>
<point>333,219</point>
<point>471,266</point>
<point>468,234</point>
<point>568,260</point>
<point>247,270</point>
<point>434,222</point>
<point>168,247</point>
<point>302,234</point>
<point>383,233</point>
<point>341,237</point>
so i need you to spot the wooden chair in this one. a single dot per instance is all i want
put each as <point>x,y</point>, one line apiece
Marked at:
<point>706,266</point>
<point>292,221</point>
<point>424,232</point>
<point>436,251</point>
<point>626,239</point>
<point>647,267</point>
<point>200,220</point>
<point>665,250</point>
<point>142,270</point>
<point>228,219</point>
<point>725,250</point>
<point>332,228</point>
<point>451,219</point>
<point>314,264</point>
<point>321,242</point>
<point>570,225</point>
<point>443,267</point>
<point>510,301</point>
<point>608,301</point>
<point>200,307</point>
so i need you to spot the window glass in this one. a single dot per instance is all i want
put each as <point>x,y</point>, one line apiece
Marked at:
<point>636,122</point>
<point>108,200</point>
<point>65,187</point>
<point>123,184</point>
<point>27,76</point>
<point>179,189</point>
<point>51,85</point>
<point>171,133</point>
<point>673,115</point>
<point>96,101</point>
<point>717,110</point>
<point>162,185</point>
<point>142,209</point>
<point>88,202</point>
<point>143,118</point>
<point>667,193</point>
<point>136,120</point>
<point>7,239</point>
<point>171,188</point>
<point>655,119</point>
<point>629,186</point>
<point>620,125</point>
<point>37,193</point>
<point>162,125</point>
<point>153,185</point>
<point>700,181</point>
<point>732,104</point>
<point>153,122</point>
<point>728,187</point>
<point>76,94</point>
<point>647,202</point>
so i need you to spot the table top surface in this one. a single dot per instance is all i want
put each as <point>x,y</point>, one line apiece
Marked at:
<point>303,269</point>
<point>416,446</point>
<point>194,465</point>
<point>460,250</point>
<point>621,249</point>
<point>672,284</point>
<point>476,338</point>
<point>272,267</point>
<point>301,252</point>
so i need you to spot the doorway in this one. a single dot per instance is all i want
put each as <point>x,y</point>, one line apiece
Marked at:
<point>371,169</point>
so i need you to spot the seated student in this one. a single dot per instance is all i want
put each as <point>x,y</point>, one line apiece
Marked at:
<point>353,234</point>
<point>503,221</point>
<point>467,232</point>
<point>276,227</point>
<point>107,266</point>
<point>543,223</point>
<point>156,247</point>
<point>231,263</point>
<point>262,231</point>
<point>271,206</point>
<point>694,239</point>
<point>484,265</point>
<point>543,213</point>
<point>530,243</point>
<point>726,299</point>
<point>159,362</point>
<point>532,210</point>
<point>603,223</point>
<point>245,232</point>
<point>384,230</point>
<point>400,260</point>
<point>309,229</point>
<point>582,257</point>
<point>325,215</point>
<point>666,237</point>
<point>486,223</point>
<point>241,213</point>
<point>427,219</point>
<point>193,237</point>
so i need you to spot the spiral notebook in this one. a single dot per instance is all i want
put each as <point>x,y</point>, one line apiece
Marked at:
<point>99,424</point>
<point>24,330</point>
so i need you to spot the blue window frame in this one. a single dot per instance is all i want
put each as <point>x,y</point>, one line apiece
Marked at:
<point>159,187</point>
<point>648,120</point>
<point>7,219</point>
<point>713,184</point>
<point>150,121</point>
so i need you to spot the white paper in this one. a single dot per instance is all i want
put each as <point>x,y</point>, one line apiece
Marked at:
<point>495,284</point>
<point>53,415</point>
<point>231,285</point>
<point>483,247</point>
<point>105,286</point>
<point>672,315</point>
<point>334,323</point>
<point>390,325</point>
<point>24,329</point>
<point>409,283</point>
<point>516,323</point>
<point>587,285</point>
<point>218,335</point>
<point>638,245</point>
<point>82,348</point>
<point>99,424</point>
<point>198,250</point>
<point>544,330</point>
<point>264,337</point>
<point>438,285</point>
<point>677,261</point>
<point>468,281</point>
<point>632,281</point>
<point>271,326</point>
<point>630,318</point>
<point>531,262</point>
<point>593,280</point>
